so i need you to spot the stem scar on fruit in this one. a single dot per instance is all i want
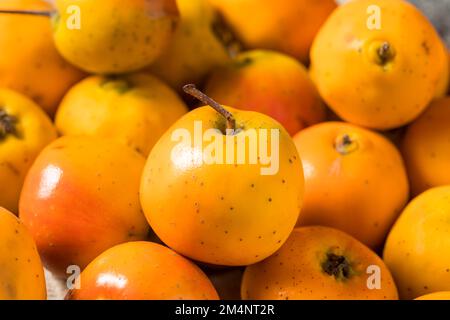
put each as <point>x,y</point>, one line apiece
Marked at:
<point>337,266</point>
<point>7,125</point>
<point>345,144</point>
<point>384,52</point>
<point>193,91</point>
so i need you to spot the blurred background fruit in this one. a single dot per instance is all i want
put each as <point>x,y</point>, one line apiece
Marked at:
<point>416,250</point>
<point>196,48</point>
<point>115,38</point>
<point>426,148</point>
<point>318,263</point>
<point>81,197</point>
<point>24,131</point>
<point>29,61</point>
<point>271,83</point>
<point>231,214</point>
<point>355,180</point>
<point>22,274</point>
<point>143,271</point>
<point>134,109</point>
<point>287,26</point>
<point>367,76</point>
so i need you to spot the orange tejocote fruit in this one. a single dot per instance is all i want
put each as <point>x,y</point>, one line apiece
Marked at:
<point>210,193</point>
<point>134,109</point>
<point>417,248</point>
<point>378,63</point>
<point>319,263</point>
<point>355,180</point>
<point>21,273</point>
<point>113,36</point>
<point>29,61</point>
<point>426,148</point>
<point>287,26</point>
<point>142,271</point>
<point>81,197</point>
<point>271,83</point>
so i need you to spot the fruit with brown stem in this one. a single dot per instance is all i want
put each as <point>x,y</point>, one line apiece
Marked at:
<point>234,212</point>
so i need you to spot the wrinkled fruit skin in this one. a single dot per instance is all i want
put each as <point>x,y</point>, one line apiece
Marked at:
<point>21,273</point>
<point>366,87</point>
<point>414,250</point>
<point>270,83</point>
<point>134,109</point>
<point>34,130</point>
<point>195,48</point>
<point>99,46</point>
<point>426,148</point>
<point>143,271</point>
<point>361,192</point>
<point>296,271</point>
<point>229,214</point>
<point>29,61</point>
<point>80,198</point>
<point>288,26</point>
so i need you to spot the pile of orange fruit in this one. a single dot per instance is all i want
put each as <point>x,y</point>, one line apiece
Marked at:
<point>101,182</point>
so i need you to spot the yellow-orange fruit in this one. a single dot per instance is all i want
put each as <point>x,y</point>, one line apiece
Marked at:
<point>319,263</point>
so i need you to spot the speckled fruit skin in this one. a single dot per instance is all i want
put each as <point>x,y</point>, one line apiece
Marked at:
<point>221,214</point>
<point>287,26</point>
<point>21,273</point>
<point>29,61</point>
<point>133,109</point>
<point>357,85</point>
<point>361,192</point>
<point>270,83</point>
<point>195,48</point>
<point>296,271</point>
<point>115,38</point>
<point>34,130</point>
<point>417,248</point>
<point>143,271</point>
<point>426,148</point>
<point>80,198</point>
<point>443,295</point>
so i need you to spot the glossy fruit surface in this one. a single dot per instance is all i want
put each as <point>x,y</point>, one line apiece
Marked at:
<point>134,109</point>
<point>21,274</point>
<point>287,26</point>
<point>112,37</point>
<point>416,250</point>
<point>319,263</point>
<point>270,83</point>
<point>24,131</point>
<point>355,180</point>
<point>81,197</point>
<point>29,61</point>
<point>230,213</point>
<point>143,271</point>
<point>367,72</point>
<point>426,148</point>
